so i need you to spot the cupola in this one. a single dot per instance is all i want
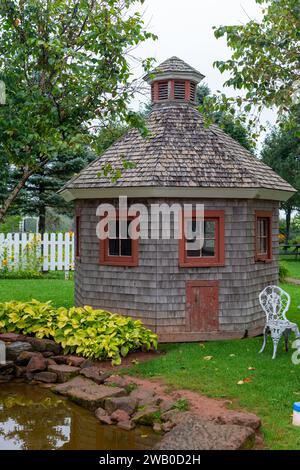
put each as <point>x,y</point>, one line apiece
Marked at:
<point>173,80</point>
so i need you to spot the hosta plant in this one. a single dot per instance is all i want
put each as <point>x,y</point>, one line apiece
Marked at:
<point>82,330</point>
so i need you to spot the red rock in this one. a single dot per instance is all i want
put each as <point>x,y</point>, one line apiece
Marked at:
<point>144,396</point>
<point>60,359</point>
<point>25,356</point>
<point>51,362</point>
<point>127,404</point>
<point>103,417</point>
<point>64,372</point>
<point>120,415</point>
<point>47,377</point>
<point>239,418</point>
<point>11,337</point>
<point>13,350</point>
<point>20,371</point>
<point>95,374</point>
<point>44,344</point>
<point>36,364</point>
<point>75,361</point>
<point>126,425</point>
<point>48,354</point>
<point>117,381</point>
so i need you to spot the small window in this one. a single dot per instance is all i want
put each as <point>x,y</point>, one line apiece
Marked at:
<point>192,91</point>
<point>179,90</point>
<point>119,251</point>
<point>163,91</point>
<point>263,236</point>
<point>211,253</point>
<point>77,236</point>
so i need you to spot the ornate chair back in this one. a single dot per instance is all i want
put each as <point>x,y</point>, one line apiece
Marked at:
<point>275,302</point>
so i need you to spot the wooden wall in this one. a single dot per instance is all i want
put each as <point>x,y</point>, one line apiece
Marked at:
<point>155,291</point>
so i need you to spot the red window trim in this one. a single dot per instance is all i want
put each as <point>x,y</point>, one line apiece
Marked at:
<point>219,259</point>
<point>108,260</point>
<point>268,257</point>
<point>77,234</point>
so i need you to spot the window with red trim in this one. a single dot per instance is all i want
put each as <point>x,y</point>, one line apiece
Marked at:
<point>77,236</point>
<point>263,236</point>
<point>118,250</point>
<point>212,253</point>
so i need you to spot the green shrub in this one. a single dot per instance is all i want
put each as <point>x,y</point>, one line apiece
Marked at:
<point>283,272</point>
<point>20,274</point>
<point>90,333</point>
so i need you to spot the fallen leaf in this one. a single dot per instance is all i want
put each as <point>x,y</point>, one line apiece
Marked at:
<point>241,382</point>
<point>247,380</point>
<point>251,368</point>
<point>208,358</point>
<point>231,355</point>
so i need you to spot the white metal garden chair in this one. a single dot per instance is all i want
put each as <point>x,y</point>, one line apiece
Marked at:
<point>275,302</point>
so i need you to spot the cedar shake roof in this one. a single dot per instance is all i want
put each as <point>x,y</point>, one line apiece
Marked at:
<point>174,64</point>
<point>180,152</point>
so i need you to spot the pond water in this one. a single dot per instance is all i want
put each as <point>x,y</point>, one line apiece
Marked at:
<point>33,418</point>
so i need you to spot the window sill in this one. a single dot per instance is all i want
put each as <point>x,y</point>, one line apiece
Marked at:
<point>204,264</point>
<point>120,262</point>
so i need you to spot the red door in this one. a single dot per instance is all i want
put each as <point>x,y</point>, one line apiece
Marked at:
<point>202,299</point>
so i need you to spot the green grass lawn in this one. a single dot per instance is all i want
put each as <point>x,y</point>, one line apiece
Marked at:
<point>274,385</point>
<point>293,266</point>
<point>60,291</point>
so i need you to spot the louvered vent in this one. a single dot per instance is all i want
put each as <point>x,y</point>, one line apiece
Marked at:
<point>152,92</point>
<point>193,91</point>
<point>179,90</point>
<point>163,91</point>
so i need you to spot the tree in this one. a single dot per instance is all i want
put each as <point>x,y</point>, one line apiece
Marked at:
<point>265,59</point>
<point>66,70</point>
<point>281,151</point>
<point>227,121</point>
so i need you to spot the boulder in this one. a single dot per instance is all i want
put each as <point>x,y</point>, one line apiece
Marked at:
<point>87,393</point>
<point>47,354</point>
<point>75,361</point>
<point>103,417</point>
<point>60,359</point>
<point>95,374</point>
<point>144,396</point>
<point>25,356</point>
<point>127,404</point>
<point>64,372</point>
<point>11,337</point>
<point>119,415</point>
<point>20,371</point>
<point>44,344</point>
<point>165,404</point>
<point>36,364</point>
<point>167,426</point>
<point>46,377</point>
<point>50,362</point>
<point>13,350</point>
<point>126,425</point>
<point>195,434</point>
<point>240,418</point>
<point>87,363</point>
<point>146,416</point>
<point>117,381</point>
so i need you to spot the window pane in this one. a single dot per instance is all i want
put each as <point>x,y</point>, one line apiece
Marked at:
<point>209,229</point>
<point>193,253</point>
<point>113,247</point>
<point>208,248</point>
<point>126,249</point>
<point>263,245</point>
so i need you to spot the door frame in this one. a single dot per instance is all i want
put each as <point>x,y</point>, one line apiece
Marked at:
<point>188,288</point>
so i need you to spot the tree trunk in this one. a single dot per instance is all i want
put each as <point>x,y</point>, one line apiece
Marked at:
<point>288,213</point>
<point>14,193</point>
<point>42,219</point>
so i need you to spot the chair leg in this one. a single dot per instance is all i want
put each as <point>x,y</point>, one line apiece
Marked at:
<point>275,345</point>
<point>286,340</point>
<point>265,341</point>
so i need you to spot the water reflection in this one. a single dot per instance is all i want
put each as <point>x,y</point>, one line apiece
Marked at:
<point>33,418</point>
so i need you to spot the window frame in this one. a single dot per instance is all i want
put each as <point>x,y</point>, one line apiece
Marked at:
<point>78,234</point>
<point>205,261</point>
<point>261,257</point>
<point>126,261</point>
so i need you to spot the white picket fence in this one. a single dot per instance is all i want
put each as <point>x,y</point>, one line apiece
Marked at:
<point>55,251</point>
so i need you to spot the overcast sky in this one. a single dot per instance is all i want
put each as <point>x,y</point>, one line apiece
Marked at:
<point>185,29</point>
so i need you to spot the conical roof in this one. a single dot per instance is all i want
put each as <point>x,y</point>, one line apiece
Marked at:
<point>174,66</point>
<point>180,153</point>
